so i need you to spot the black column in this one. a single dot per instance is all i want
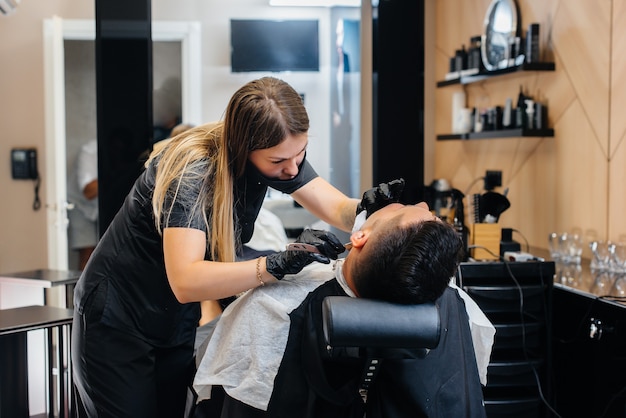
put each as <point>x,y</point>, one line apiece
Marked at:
<point>398,94</point>
<point>124,98</point>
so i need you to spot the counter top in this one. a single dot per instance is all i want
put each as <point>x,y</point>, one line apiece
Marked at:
<point>28,318</point>
<point>585,281</point>
<point>41,277</point>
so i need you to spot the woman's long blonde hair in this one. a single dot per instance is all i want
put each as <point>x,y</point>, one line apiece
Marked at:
<point>260,115</point>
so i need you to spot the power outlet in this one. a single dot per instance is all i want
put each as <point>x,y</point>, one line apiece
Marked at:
<point>493,179</point>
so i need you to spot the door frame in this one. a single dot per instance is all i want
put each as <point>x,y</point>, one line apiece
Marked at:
<point>55,31</point>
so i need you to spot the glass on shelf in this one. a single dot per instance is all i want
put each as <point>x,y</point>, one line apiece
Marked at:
<point>618,257</point>
<point>619,287</point>
<point>565,247</point>
<point>602,283</point>
<point>601,255</point>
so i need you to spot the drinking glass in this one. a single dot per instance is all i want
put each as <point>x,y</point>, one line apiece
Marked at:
<point>601,259</point>
<point>619,286</point>
<point>602,283</point>
<point>554,246</point>
<point>572,247</point>
<point>618,257</point>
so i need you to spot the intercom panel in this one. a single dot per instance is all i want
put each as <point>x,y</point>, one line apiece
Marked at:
<point>24,163</point>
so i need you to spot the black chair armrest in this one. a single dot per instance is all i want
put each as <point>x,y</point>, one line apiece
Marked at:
<point>365,323</point>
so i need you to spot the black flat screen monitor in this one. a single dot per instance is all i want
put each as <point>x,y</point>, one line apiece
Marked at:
<point>274,45</point>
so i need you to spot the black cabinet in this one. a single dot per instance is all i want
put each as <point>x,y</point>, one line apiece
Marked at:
<point>517,299</point>
<point>589,355</point>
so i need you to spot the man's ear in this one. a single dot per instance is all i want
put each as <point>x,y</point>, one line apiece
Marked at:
<point>359,238</point>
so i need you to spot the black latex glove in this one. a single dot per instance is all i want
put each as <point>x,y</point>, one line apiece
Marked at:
<point>292,262</point>
<point>381,196</point>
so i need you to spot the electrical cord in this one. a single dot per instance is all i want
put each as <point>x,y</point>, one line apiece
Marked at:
<point>523,237</point>
<point>611,297</point>
<point>37,201</point>
<point>525,349</point>
<point>613,399</point>
<point>476,180</point>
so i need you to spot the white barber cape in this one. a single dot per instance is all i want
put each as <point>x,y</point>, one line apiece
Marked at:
<point>244,352</point>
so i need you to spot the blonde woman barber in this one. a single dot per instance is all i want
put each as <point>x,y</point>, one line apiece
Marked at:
<point>174,244</point>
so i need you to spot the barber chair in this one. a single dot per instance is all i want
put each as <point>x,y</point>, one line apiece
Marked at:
<point>356,357</point>
<point>414,360</point>
<point>375,331</point>
<point>357,339</point>
<point>342,347</point>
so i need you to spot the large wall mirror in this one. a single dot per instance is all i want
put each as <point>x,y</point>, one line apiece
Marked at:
<point>80,102</point>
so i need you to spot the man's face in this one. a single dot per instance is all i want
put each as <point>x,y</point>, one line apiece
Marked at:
<point>408,214</point>
<point>376,223</point>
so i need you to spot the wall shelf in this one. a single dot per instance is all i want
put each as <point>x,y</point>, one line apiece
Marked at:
<point>537,66</point>
<point>506,133</point>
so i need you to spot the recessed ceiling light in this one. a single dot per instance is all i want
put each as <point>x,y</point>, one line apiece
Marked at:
<point>316,3</point>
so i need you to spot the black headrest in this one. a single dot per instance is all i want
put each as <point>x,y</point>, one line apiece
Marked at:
<point>357,322</point>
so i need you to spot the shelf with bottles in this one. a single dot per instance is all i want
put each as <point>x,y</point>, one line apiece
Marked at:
<point>500,133</point>
<point>528,118</point>
<point>468,77</point>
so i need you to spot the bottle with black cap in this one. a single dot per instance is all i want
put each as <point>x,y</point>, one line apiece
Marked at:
<point>532,43</point>
<point>520,111</point>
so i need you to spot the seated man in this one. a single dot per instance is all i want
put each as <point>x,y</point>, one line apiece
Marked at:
<point>258,352</point>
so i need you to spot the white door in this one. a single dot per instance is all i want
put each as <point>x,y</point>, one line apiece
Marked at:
<point>56,31</point>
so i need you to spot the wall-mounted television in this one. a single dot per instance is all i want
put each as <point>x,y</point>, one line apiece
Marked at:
<point>274,45</point>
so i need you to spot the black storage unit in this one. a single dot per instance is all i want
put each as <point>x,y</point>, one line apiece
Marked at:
<point>517,299</point>
<point>589,354</point>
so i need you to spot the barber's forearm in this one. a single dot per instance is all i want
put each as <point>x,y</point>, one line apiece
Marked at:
<point>327,203</point>
<point>348,214</point>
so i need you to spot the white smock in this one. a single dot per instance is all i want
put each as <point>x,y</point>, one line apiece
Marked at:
<point>249,340</point>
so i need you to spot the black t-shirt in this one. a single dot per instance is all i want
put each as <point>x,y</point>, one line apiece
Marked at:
<point>129,257</point>
<point>250,192</point>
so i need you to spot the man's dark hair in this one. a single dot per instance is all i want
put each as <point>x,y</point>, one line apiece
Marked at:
<point>409,264</point>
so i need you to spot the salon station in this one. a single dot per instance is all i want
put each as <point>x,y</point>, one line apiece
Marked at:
<point>503,115</point>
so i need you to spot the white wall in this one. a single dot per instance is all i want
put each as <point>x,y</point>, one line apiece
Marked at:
<point>219,83</point>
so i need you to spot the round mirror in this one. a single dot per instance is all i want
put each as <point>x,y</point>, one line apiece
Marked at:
<point>499,35</point>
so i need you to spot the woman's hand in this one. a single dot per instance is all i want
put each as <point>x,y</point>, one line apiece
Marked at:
<point>292,262</point>
<point>381,196</point>
<point>326,242</point>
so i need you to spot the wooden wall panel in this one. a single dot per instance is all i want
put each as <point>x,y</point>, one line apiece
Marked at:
<point>618,77</point>
<point>617,156</point>
<point>582,40</point>
<point>561,183</point>
<point>580,199</point>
